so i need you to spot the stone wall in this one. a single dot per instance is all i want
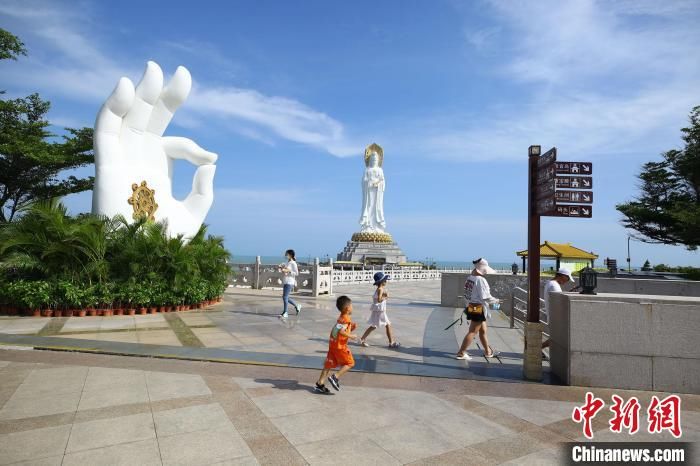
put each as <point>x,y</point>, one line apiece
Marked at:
<point>502,285</point>
<point>626,341</point>
<point>649,287</point>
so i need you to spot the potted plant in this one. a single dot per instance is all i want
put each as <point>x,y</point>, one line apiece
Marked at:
<point>101,299</point>
<point>123,294</point>
<point>34,295</point>
<point>91,302</point>
<point>138,297</point>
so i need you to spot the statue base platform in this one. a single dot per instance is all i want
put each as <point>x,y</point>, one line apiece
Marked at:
<point>383,250</point>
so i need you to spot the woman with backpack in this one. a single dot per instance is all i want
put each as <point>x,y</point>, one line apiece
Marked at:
<point>477,293</point>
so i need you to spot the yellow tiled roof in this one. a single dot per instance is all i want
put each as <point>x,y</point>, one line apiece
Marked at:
<point>561,250</point>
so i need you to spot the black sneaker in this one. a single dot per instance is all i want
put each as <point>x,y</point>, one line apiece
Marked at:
<point>320,388</point>
<point>335,382</point>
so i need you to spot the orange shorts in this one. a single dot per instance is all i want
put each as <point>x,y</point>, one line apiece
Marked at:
<point>338,357</point>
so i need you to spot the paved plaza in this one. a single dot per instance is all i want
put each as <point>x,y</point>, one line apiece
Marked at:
<point>246,328</point>
<point>79,409</point>
<point>246,397</point>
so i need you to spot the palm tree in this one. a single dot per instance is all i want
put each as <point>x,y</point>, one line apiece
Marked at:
<point>46,242</point>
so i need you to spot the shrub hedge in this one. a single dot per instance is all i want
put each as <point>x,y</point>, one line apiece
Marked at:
<point>51,260</point>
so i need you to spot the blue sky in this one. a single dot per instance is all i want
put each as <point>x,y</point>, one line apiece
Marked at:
<point>289,94</point>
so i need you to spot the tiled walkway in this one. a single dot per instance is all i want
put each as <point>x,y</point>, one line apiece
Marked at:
<point>415,405</point>
<point>246,327</point>
<point>82,409</point>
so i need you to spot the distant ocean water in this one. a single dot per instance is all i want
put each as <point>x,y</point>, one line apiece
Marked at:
<point>270,260</point>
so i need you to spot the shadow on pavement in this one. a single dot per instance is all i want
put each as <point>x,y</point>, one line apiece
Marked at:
<point>286,384</point>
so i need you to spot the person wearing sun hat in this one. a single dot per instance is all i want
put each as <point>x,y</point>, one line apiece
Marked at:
<point>477,293</point>
<point>562,277</point>
<point>378,316</point>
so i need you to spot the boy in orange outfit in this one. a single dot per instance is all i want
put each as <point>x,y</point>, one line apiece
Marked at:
<point>338,352</point>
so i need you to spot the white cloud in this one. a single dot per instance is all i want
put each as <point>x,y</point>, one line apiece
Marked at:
<point>75,64</point>
<point>481,39</point>
<point>283,117</point>
<point>597,78</point>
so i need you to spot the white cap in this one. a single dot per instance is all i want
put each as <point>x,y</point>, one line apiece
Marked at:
<point>482,266</point>
<point>565,272</point>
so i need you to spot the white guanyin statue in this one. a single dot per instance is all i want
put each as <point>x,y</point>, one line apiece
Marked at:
<point>134,162</point>
<point>373,185</point>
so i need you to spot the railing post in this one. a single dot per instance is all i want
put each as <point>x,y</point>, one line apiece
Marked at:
<point>512,309</point>
<point>256,273</point>
<point>316,277</point>
<point>330,278</point>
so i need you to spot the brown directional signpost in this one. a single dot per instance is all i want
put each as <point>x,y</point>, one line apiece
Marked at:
<point>555,189</point>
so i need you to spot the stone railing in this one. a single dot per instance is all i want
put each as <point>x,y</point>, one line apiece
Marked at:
<point>319,279</point>
<point>314,279</point>
<point>366,275</point>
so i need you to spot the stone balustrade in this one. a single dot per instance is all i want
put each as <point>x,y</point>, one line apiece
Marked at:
<point>314,278</point>
<point>320,279</point>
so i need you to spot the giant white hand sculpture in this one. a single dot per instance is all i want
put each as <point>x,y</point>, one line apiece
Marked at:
<point>134,161</point>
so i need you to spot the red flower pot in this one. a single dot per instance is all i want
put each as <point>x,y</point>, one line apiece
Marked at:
<point>58,313</point>
<point>152,310</point>
<point>92,312</point>
<point>107,312</point>
<point>36,312</point>
<point>82,312</point>
<point>143,310</point>
<point>68,313</point>
<point>131,312</point>
<point>162,309</point>
<point>119,312</point>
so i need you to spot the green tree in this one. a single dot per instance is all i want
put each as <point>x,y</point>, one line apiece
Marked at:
<point>10,46</point>
<point>668,209</point>
<point>32,161</point>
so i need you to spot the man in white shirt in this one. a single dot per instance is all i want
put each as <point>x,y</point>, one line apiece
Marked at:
<point>562,277</point>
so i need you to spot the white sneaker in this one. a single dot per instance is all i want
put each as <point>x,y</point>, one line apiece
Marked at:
<point>493,354</point>
<point>284,315</point>
<point>364,343</point>
<point>465,356</point>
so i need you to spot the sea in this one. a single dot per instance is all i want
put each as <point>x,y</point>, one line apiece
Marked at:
<point>272,260</point>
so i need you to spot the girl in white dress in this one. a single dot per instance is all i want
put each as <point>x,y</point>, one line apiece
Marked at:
<point>378,317</point>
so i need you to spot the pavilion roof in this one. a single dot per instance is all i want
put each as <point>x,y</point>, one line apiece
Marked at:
<point>561,251</point>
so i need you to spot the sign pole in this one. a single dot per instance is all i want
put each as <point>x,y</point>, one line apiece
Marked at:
<point>533,244</point>
<point>532,364</point>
